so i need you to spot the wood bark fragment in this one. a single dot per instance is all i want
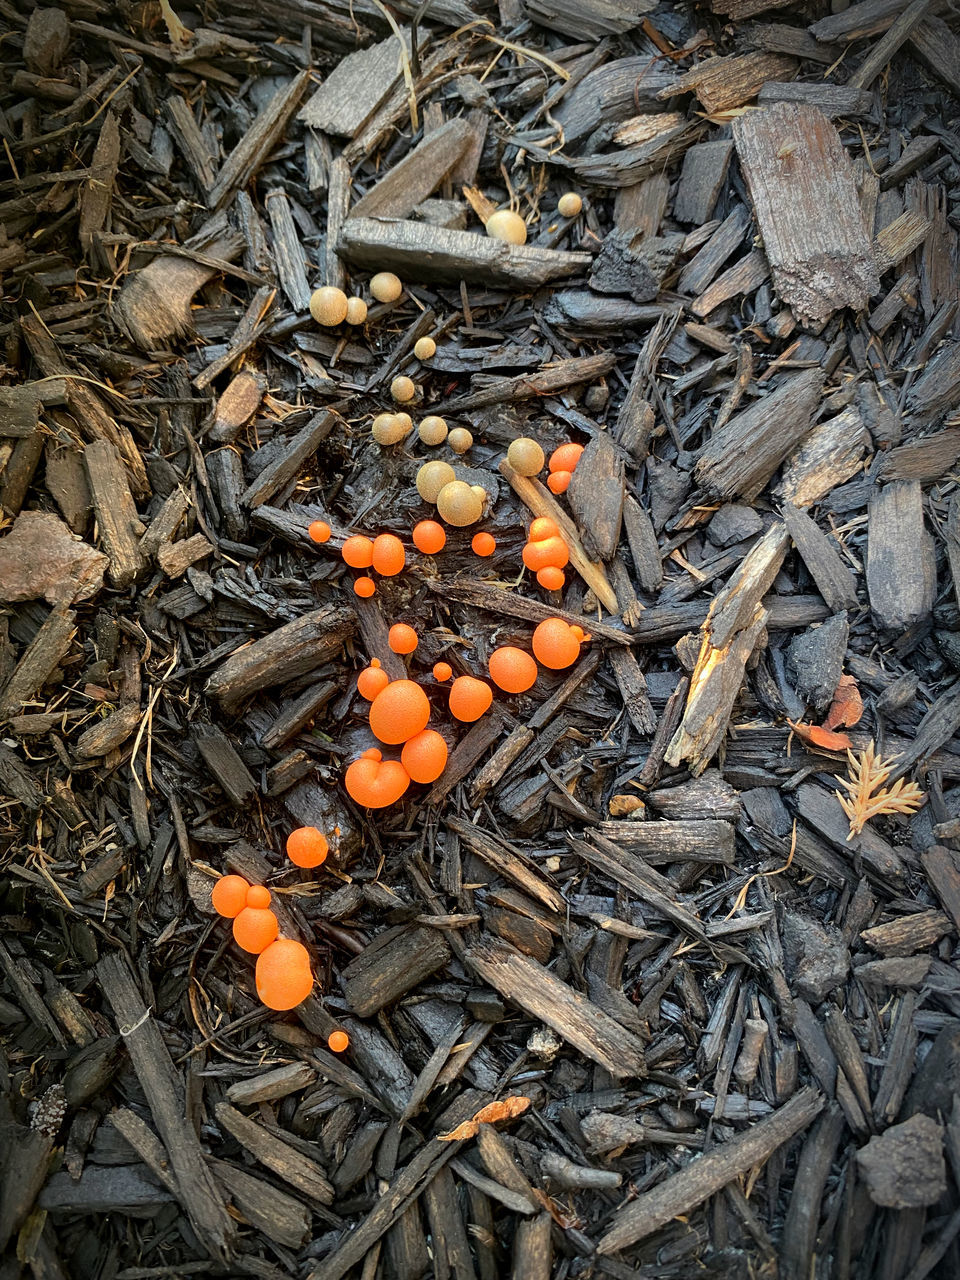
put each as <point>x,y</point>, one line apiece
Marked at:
<point>723,83</point>
<point>119,525</point>
<point>901,573</point>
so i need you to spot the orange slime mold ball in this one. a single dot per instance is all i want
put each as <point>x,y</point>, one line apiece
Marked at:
<point>374,782</point>
<point>469,698</point>
<point>364,588</point>
<point>284,977</point>
<point>442,671</point>
<point>338,1041</point>
<point>429,537</point>
<point>425,756</point>
<point>543,527</point>
<point>402,639</point>
<point>358,552</point>
<point>319,531</point>
<point>254,929</point>
<point>557,644</point>
<point>551,578</point>
<point>307,847</point>
<point>566,457</point>
<point>389,556</point>
<point>549,553</point>
<point>258,896</point>
<point>483,544</point>
<point>230,896</point>
<point>372,680</point>
<point>512,670</point>
<point>559,481</point>
<point>399,712</point>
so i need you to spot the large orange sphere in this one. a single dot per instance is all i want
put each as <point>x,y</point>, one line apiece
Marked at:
<point>402,638</point>
<point>512,670</point>
<point>319,531</point>
<point>425,756</point>
<point>543,527</point>
<point>566,457</point>
<point>429,537</point>
<point>255,928</point>
<point>555,644</point>
<point>547,553</point>
<point>284,977</point>
<point>307,847</point>
<point>469,698</point>
<point>230,896</point>
<point>551,578</point>
<point>388,555</point>
<point>376,783</point>
<point>399,712</point>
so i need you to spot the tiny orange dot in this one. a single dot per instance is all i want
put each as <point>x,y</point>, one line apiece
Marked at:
<point>442,671</point>
<point>319,531</point>
<point>364,588</point>
<point>338,1041</point>
<point>484,544</point>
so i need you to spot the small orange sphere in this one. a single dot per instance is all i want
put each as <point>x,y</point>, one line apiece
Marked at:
<point>319,531</point>
<point>372,680</point>
<point>550,552</point>
<point>364,588</point>
<point>374,782</point>
<point>230,896</point>
<point>555,644</point>
<point>388,555</point>
<point>551,578</point>
<point>483,544</point>
<point>442,671</point>
<point>338,1041</point>
<point>400,712</point>
<point>543,527</point>
<point>512,670</point>
<point>258,896</point>
<point>358,552</point>
<point>425,756</point>
<point>559,481</point>
<point>566,457</point>
<point>255,928</point>
<point>307,847</point>
<point>429,537</point>
<point>403,639</point>
<point>469,698</point>
<point>283,974</point>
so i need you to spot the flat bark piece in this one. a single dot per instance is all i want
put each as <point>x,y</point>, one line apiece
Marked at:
<point>815,661</point>
<point>596,496</point>
<point>542,995</point>
<point>893,39</point>
<point>804,195</point>
<point>392,965</point>
<point>633,689</point>
<point>96,194</point>
<point>291,650</point>
<point>747,274</point>
<point>288,253</point>
<point>937,389</point>
<point>237,404</point>
<point>819,553</point>
<point>175,558</point>
<point>280,1217</point>
<point>551,378</point>
<point>908,934</point>
<point>629,869</point>
<point>417,251</point>
<point>295,453</point>
<point>199,1195</point>
<point>867,18</point>
<point>828,456</point>
<point>39,660</point>
<point>19,411</point>
<point>925,459</point>
<point>65,478</point>
<point>46,40</point>
<point>941,868</point>
<point>937,727</point>
<point>903,1167</point>
<point>255,146</point>
<point>799,1240</point>
<point>290,1165</point>
<point>938,48</point>
<point>740,459</point>
<point>117,520</point>
<point>106,735</point>
<point>901,564</point>
<point>659,841</point>
<point>223,761</point>
<point>589,19</point>
<point>41,559</point>
<point>417,175</point>
<point>338,205</point>
<point>703,174</point>
<point>508,862</point>
<point>635,264</point>
<point>722,83</point>
<point>832,99</point>
<point>355,88</point>
<point>643,545</point>
<point>703,1177</point>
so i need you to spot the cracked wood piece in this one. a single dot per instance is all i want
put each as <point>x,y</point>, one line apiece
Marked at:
<point>740,459</point>
<point>545,997</point>
<point>280,1217</point>
<point>551,378</point>
<point>39,660</point>
<point>338,204</point>
<point>417,175</point>
<point>828,456</point>
<point>896,35</point>
<point>832,99</point>
<point>508,863</point>
<point>355,88</point>
<point>804,195</point>
<point>703,174</point>
<point>633,689</point>
<point>674,840</point>
<point>199,1195</point>
<point>259,140</point>
<point>417,251</point>
<point>289,1164</point>
<point>834,580</point>
<point>703,1177</point>
<point>292,650</point>
<point>96,194</point>
<point>288,253</point>
<point>722,83</point>
<point>596,496</point>
<point>542,503</point>
<point>294,455</point>
<point>175,558</point>
<point>393,964</point>
<point>868,18</point>
<point>117,520</point>
<point>901,568</point>
<point>925,459</point>
<point>900,238</point>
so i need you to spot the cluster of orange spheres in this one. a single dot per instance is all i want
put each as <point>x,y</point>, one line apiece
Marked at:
<point>283,976</point>
<point>546,554</point>
<point>562,464</point>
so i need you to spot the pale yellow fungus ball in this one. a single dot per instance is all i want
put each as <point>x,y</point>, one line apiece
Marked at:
<point>432,477</point>
<point>387,428</point>
<point>404,420</point>
<point>525,456</point>
<point>433,430</point>
<point>385,286</point>
<point>460,440</point>
<point>328,306</point>
<point>459,504</point>
<point>403,389</point>
<point>569,204</point>
<point>356,311</point>
<point>507,225</point>
<point>425,349</point>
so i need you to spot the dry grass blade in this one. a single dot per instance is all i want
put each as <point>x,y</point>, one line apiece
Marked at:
<point>869,796</point>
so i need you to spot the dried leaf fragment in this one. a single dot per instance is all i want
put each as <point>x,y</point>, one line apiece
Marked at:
<point>814,736</point>
<point>869,797</point>
<point>506,1109</point>
<point>847,706</point>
